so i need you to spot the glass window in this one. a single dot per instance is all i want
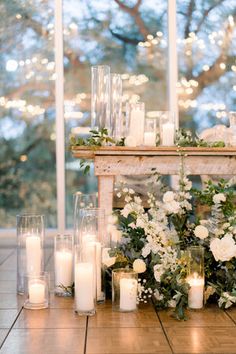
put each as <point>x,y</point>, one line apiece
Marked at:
<point>207,49</point>
<point>130,37</point>
<point>27,116</point>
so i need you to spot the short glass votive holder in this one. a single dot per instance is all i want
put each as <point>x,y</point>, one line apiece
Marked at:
<point>85,280</point>
<point>232,121</point>
<point>150,132</point>
<point>124,290</point>
<point>63,265</point>
<point>167,128</point>
<point>30,247</point>
<point>195,277</point>
<point>36,291</point>
<point>135,115</point>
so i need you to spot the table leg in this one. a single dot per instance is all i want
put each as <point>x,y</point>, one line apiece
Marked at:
<point>105,193</point>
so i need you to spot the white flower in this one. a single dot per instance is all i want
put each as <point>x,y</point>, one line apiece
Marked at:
<point>158,271</point>
<point>218,198</point>
<point>168,197</point>
<point>106,259</point>
<point>173,207</point>
<point>223,249</point>
<point>157,295</point>
<point>118,195</point>
<point>146,250</point>
<point>172,303</point>
<point>140,223</point>
<point>201,232</point>
<point>226,299</point>
<point>130,140</point>
<point>139,266</point>
<point>127,210</point>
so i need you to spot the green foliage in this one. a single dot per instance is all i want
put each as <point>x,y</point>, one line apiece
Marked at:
<point>185,138</point>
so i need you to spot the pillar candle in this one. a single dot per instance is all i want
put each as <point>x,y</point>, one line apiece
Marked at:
<point>63,268</point>
<point>33,254</point>
<point>128,294</point>
<point>168,134</point>
<point>36,292</point>
<point>149,139</point>
<point>89,254</point>
<point>84,286</point>
<point>195,295</point>
<point>137,125</point>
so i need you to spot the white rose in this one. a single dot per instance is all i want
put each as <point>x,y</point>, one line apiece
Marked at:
<point>130,141</point>
<point>168,197</point>
<point>201,232</point>
<point>139,266</point>
<point>218,198</point>
<point>224,249</point>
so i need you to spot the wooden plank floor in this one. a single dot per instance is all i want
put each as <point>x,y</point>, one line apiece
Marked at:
<point>58,330</point>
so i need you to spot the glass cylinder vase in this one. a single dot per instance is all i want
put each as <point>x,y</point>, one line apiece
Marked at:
<point>63,264</point>
<point>93,232</point>
<point>85,280</point>
<point>195,277</point>
<point>116,106</point>
<point>30,247</point>
<point>124,290</point>
<point>82,201</point>
<point>135,115</point>
<point>100,97</point>
<point>167,128</point>
<point>36,291</point>
<point>150,131</point>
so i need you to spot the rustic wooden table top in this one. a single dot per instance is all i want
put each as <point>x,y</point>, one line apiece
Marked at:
<point>58,330</point>
<point>87,152</point>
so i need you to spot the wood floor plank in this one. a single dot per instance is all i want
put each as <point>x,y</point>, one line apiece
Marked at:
<point>205,340</point>
<point>211,316</point>
<point>11,301</point>
<point>3,333</point>
<point>126,340</point>
<point>7,286</point>
<point>108,318</point>
<point>7,317</point>
<point>50,318</point>
<point>44,341</point>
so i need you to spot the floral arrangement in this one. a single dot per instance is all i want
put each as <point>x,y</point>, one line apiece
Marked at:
<point>154,241</point>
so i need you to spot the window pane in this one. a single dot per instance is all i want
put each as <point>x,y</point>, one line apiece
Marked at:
<point>27,115</point>
<point>129,36</point>
<point>207,49</point>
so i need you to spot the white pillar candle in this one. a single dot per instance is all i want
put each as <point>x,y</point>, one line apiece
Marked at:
<point>168,134</point>
<point>89,256</point>
<point>137,125</point>
<point>128,294</point>
<point>36,292</point>
<point>196,291</point>
<point>63,268</point>
<point>84,286</point>
<point>149,139</point>
<point>33,254</point>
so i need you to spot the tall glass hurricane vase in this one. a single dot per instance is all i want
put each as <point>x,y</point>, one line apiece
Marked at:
<point>116,106</point>
<point>100,98</point>
<point>30,243</point>
<point>82,201</point>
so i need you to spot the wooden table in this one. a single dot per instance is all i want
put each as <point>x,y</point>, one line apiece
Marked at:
<point>115,161</point>
<point>58,330</point>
